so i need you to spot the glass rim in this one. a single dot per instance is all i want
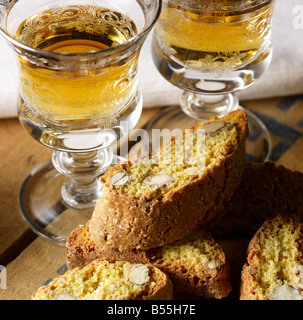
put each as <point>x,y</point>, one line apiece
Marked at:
<point>123,45</point>
<point>225,6</point>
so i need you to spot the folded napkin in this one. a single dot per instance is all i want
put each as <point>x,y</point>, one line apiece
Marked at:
<point>284,76</point>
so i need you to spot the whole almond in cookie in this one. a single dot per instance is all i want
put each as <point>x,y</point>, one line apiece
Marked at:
<point>285,292</point>
<point>158,180</point>
<point>214,127</point>
<point>65,296</point>
<point>119,179</point>
<point>213,264</point>
<point>138,274</point>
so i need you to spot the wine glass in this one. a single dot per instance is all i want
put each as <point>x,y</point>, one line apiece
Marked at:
<point>211,49</point>
<point>79,95</point>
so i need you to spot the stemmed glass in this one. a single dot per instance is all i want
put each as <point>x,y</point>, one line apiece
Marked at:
<point>79,95</point>
<point>211,49</point>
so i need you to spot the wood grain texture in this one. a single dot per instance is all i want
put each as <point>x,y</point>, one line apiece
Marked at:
<point>19,154</point>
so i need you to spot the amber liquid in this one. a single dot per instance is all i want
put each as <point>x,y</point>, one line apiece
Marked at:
<point>213,40</point>
<point>80,90</point>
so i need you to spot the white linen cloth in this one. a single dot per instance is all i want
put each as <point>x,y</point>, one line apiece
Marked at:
<point>284,76</point>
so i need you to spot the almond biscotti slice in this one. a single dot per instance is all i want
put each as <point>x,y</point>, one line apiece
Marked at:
<point>105,280</point>
<point>274,268</point>
<point>154,201</point>
<point>196,264</point>
<point>265,190</point>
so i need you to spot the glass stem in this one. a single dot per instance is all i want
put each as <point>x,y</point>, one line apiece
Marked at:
<point>82,187</point>
<point>204,106</point>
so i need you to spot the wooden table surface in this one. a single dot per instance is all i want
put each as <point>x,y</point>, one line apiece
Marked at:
<point>31,261</point>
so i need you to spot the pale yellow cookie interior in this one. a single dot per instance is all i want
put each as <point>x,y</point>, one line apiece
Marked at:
<point>108,281</point>
<point>197,251</point>
<point>278,259</point>
<point>184,159</point>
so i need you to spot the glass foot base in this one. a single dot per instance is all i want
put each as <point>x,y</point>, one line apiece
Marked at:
<point>42,207</point>
<point>258,145</point>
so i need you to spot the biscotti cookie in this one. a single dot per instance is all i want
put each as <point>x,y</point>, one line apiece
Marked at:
<point>265,190</point>
<point>196,265</point>
<point>274,268</point>
<point>153,201</point>
<point>105,280</point>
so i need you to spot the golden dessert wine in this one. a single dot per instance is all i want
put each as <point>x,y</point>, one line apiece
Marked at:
<point>215,36</point>
<point>70,93</point>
